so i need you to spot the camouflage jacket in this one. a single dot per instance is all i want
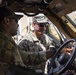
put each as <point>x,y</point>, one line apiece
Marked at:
<point>8,49</point>
<point>8,52</point>
<point>34,50</point>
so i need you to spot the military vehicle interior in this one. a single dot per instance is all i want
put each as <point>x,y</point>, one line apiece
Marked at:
<point>62,13</point>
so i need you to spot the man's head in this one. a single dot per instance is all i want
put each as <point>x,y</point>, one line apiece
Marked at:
<point>39,23</point>
<point>8,21</point>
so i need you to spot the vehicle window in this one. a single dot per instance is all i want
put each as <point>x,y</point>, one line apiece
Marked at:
<point>72,17</point>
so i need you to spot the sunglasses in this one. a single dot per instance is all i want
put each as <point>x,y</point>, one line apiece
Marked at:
<point>43,24</point>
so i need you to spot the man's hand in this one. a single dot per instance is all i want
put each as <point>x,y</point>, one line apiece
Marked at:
<point>66,50</point>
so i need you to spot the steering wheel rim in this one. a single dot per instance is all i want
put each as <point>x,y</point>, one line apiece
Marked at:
<point>60,69</point>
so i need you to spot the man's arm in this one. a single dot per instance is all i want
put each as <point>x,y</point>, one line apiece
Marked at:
<point>30,53</point>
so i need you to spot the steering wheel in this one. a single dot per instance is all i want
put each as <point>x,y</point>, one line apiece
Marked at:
<point>55,66</point>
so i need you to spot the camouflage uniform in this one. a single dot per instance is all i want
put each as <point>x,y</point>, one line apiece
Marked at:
<point>35,50</point>
<point>8,52</point>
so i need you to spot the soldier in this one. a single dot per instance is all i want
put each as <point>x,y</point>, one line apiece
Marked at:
<point>37,46</point>
<point>8,48</point>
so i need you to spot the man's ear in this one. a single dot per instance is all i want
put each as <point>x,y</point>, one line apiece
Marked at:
<point>33,24</point>
<point>6,21</point>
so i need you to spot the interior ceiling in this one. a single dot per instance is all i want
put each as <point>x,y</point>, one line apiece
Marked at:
<point>59,7</point>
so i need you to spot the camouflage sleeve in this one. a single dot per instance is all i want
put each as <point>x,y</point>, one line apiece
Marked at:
<point>30,53</point>
<point>49,42</point>
<point>5,51</point>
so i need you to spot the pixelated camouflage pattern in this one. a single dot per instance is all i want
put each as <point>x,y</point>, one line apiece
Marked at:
<point>34,50</point>
<point>8,52</point>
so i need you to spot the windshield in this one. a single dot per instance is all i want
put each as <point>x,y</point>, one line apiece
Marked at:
<point>72,18</point>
